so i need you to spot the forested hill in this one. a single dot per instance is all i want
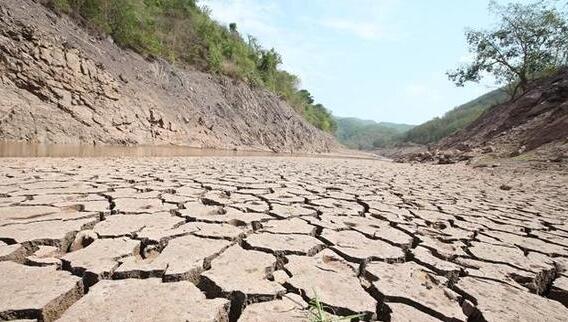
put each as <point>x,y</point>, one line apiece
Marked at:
<point>455,119</point>
<point>183,32</point>
<point>366,134</point>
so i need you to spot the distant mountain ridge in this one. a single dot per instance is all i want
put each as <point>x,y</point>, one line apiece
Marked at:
<point>362,134</point>
<point>454,120</point>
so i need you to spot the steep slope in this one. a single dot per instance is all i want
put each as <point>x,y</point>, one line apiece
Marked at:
<point>537,118</point>
<point>455,119</point>
<point>366,134</point>
<point>61,85</point>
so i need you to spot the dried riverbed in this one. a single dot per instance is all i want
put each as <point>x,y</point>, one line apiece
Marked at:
<point>255,238</point>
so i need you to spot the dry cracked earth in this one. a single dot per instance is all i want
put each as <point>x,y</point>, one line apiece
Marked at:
<point>254,239</point>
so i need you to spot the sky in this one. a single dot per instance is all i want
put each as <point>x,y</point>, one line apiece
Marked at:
<point>383,60</point>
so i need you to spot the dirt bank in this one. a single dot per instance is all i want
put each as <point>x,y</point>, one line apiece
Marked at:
<point>61,85</point>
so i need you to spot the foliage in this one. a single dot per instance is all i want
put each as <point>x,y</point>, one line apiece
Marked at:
<point>366,135</point>
<point>317,313</point>
<point>530,41</point>
<point>454,120</point>
<point>181,31</point>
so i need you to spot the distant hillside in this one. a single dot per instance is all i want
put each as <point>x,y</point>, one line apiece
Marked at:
<point>454,120</point>
<point>366,134</point>
<point>538,118</point>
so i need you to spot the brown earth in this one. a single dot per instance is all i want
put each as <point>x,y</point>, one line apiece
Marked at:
<point>536,118</point>
<point>255,238</point>
<point>533,127</point>
<point>61,85</point>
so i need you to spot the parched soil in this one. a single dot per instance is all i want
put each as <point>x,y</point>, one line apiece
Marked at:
<point>255,238</point>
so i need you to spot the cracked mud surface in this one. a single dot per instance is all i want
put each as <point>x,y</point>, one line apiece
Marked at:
<point>254,239</point>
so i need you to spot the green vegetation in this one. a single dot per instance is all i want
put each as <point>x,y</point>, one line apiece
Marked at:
<point>182,32</point>
<point>366,135</point>
<point>454,120</point>
<point>317,313</point>
<point>530,41</point>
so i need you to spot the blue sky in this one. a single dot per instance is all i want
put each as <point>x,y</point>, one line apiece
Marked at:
<point>383,60</point>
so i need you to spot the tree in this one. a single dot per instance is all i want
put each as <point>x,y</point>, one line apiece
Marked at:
<point>233,27</point>
<point>530,40</point>
<point>306,96</point>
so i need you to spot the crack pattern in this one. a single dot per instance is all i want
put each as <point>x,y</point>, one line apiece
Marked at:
<point>252,238</point>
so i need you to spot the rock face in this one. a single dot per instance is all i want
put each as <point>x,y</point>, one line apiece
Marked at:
<point>60,85</point>
<point>260,238</point>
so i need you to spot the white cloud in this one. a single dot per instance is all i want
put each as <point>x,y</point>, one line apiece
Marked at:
<point>361,29</point>
<point>252,17</point>
<point>423,91</point>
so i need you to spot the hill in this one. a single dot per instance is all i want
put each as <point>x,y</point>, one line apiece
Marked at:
<point>536,119</point>
<point>366,134</point>
<point>110,75</point>
<point>454,120</point>
<point>533,126</point>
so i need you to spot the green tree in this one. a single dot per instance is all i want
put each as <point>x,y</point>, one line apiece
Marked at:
<point>529,41</point>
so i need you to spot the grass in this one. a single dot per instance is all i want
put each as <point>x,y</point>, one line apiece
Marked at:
<point>317,312</point>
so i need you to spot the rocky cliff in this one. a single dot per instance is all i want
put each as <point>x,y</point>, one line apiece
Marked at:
<point>59,84</point>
